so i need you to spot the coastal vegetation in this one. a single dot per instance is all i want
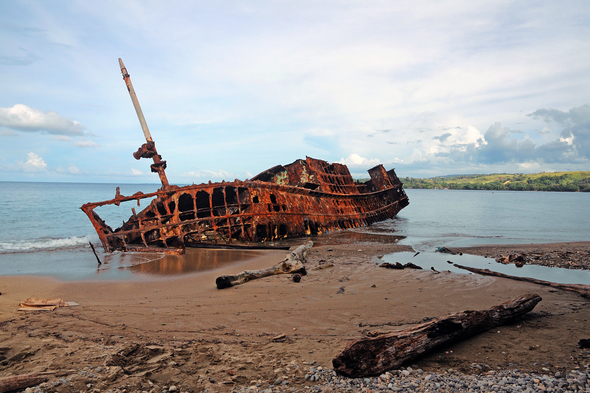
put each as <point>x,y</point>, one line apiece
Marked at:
<point>578,181</point>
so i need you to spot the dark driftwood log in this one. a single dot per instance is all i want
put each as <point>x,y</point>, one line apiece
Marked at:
<point>293,263</point>
<point>19,382</point>
<point>373,356</point>
<point>582,289</point>
<point>398,265</point>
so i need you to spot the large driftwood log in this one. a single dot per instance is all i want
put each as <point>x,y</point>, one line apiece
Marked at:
<point>582,289</point>
<point>20,382</point>
<point>372,356</point>
<point>293,263</point>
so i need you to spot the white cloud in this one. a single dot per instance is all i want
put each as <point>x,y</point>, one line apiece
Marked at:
<point>569,141</point>
<point>501,145</point>
<point>34,163</point>
<point>136,172</point>
<point>355,160</point>
<point>23,118</point>
<point>73,169</point>
<point>455,138</point>
<point>469,136</point>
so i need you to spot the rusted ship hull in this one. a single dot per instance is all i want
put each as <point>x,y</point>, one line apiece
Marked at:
<point>307,197</point>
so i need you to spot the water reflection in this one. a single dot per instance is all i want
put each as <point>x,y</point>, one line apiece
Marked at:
<point>194,260</point>
<point>202,259</point>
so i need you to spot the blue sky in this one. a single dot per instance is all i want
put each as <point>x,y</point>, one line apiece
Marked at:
<point>230,88</point>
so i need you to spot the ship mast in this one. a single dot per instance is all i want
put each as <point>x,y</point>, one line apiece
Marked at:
<point>148,149</point>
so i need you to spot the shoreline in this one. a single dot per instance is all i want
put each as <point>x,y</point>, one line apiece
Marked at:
<point>147,335</point>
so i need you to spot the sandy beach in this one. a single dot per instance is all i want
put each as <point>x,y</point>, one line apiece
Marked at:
<point>184,333</point>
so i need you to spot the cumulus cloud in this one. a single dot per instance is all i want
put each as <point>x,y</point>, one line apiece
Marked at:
<point>574,140</point>
<point>355,160</point>
<point>34,163</point>
<point>455,138</point>
<point>499,146</point>
<point>565,119</point>
<point>26,119</point>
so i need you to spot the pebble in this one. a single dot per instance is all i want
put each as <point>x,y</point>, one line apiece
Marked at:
<point>416,380</point>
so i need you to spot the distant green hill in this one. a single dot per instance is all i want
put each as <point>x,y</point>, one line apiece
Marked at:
<point>545,181</point>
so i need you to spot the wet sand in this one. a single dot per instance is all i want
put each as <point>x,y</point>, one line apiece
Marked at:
<point>152,334</point>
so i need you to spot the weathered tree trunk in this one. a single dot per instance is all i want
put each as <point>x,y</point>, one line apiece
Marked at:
<point>372,356</point>
<point>19,382</point>
<point>293,263</point>
<point>582,289</point>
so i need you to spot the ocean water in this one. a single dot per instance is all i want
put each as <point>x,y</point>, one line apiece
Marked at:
<point>464,218</point>
<point>43,231</point>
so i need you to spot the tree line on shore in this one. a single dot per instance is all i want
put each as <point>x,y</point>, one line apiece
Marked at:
<point>578,181</point>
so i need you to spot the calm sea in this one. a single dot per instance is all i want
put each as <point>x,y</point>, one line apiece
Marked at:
<point>43,231</point>
<point>466,218</point>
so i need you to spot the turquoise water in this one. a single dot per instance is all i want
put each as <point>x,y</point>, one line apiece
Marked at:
<point>43,231</point>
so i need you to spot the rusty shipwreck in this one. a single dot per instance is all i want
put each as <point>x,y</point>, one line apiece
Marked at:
<point>306,197</point>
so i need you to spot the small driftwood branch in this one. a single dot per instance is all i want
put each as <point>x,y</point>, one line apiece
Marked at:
<point>293,263</point>
<point>582,289</point>
<point>373,356</point>
<point>95,254</point>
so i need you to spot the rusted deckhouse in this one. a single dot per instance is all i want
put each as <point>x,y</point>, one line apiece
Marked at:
<point>306,197</point>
